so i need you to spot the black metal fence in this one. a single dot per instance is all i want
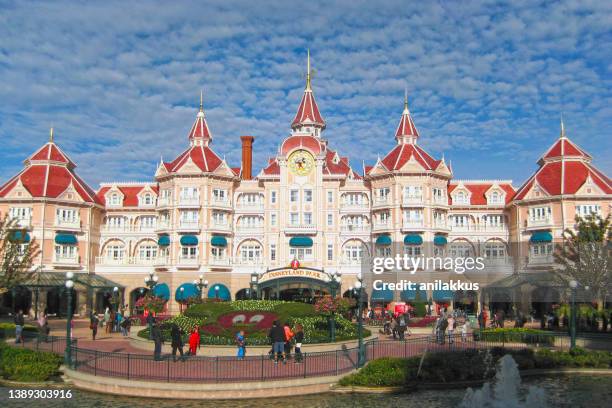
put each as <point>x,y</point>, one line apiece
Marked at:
<point>204,369</point>
<point>41,342</point>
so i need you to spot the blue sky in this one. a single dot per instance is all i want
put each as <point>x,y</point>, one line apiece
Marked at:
<point>487,81</point>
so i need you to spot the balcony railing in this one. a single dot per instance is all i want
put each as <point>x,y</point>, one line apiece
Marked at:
<point>103,260</point>
<point>248,261</point>
<point>249,228</point>
<point>418,223</point>
<point>220,225</point>
<point>192,260</point>
<point>301,228</point>
<point>382,200</point>
<point>540,259</point>
<point>164,201</point>
<point>248,205</point>
<point>381,226</point>
<point>413,199</point>
<point>363,206</point>
<point>64,223</point>
<point>66,260</point>
<point>162,225</point>
<point>539,222</point>
<point>222,202</point>
<point>23,222</point>
<point>219,261</point>
<point>355,228</point>
<point>128,228</point>
<point>188,200</point>
<point>189,225</point>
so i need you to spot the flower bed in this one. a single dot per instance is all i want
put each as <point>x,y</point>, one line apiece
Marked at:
<point>218,323</point>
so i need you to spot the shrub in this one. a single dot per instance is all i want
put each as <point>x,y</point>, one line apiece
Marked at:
<point>8,329</point>
<point>515,335</point>
<point>21,364</point>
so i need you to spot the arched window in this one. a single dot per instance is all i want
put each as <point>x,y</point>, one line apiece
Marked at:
<point>147,199</point>
<point>250,252</point>
<point>114,199</point>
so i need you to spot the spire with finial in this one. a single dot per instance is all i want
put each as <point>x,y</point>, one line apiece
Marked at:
<point>406,130</point>
<point>308,115</point>
<point>51,134</point>
<point>562,134</point>
<point>199,133</point>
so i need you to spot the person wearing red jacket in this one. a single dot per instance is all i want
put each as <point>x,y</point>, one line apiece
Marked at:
<point>194,341</point>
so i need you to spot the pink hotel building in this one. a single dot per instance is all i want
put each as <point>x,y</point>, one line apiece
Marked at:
<point>200,216</point>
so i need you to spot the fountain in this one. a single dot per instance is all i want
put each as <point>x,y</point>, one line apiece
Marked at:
<point>505,390</point>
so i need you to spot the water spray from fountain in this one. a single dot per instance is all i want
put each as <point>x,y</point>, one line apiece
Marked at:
<point>504,392</point>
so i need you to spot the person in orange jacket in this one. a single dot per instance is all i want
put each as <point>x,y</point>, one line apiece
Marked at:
<point>288,336</point>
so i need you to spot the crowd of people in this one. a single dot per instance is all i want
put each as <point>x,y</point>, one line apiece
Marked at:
<point>112,321</point>
<point>283,339</point>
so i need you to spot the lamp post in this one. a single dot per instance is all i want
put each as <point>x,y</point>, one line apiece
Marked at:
<point>361,346</point>
<point>573,285</point>
<point>201,284</point>
<point>217,292</point>
<point>151,281</point>
<point>68,352</point>
<point>115,299</point>
<point>253,284</point>
<point>334,285</point>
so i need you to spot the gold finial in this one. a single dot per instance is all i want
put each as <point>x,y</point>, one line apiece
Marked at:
<point>308,72</point>
<point>201,101</point>
<point>51,135</point>
<point>562,135</point>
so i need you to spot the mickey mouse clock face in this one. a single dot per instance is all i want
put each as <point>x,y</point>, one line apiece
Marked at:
<point>301,162</point>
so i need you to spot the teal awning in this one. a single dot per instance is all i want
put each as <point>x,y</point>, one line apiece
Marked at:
<point>188,290</point>
<point>218,240</point>
<point>66,239</point>
<point>20,236</point>
<point>384,295</point>
<point>189,240</point>
<point>413,295</point>
<point>163,240</point>
<point>300,242</point>
<point>383,240</point>
<point>541,236</point>
<point>219,291</point>
<point>440,240</point>
<point>443,295</point>
<point>413,239</point>
<point>161,290</point>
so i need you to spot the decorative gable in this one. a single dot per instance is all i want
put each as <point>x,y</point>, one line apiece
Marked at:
<point>589,187</point>
<point>70,194</point>
<point>461,195</point>
<point>114,197</point>
<point>495,195</point>
<point>536,191</point>
<point>18,191</point>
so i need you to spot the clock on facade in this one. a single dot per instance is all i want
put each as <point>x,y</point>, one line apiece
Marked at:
<point>301,162</point>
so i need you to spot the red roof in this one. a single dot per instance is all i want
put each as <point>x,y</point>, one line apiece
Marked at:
<point>406,125</point>
<point>308,142</point>
<point>130,194</point>
<point>402,153</point>
<point>202,156</point>
<point>564,168</point>
<point>272,169</point>
<point>200,127</point>
<point>48,173</point>
<point>308,112</point>
<point>478,191</point>
<point>340,166</point>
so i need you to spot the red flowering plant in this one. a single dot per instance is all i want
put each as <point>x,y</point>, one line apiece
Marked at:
<point>327,305</point>
<point>152,303</point>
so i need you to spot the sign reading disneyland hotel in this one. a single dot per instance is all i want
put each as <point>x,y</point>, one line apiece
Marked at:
<point>307,223</point>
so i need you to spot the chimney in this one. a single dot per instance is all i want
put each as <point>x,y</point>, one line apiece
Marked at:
<point>247,157</point>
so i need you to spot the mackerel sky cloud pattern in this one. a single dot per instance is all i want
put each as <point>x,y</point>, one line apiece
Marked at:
<point>486,82</point>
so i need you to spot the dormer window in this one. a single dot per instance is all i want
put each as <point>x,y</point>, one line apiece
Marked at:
<point>147,199</point>
<point>114,200</point>
<point>461,198</point>
<point>496,198</point>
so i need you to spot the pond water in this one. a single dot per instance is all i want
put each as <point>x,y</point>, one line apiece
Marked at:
<point>562,391</point>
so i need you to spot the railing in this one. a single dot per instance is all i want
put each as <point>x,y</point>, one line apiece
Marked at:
<point>67,223</point>
<point>246,205</point>
<point>67,260</point>
<point>23,222</point>
<point>355,228</point>
<point>219,261</point>
<point>205,369</point>
<point>188,261</point>
<point>539,222</point>
<point>102,260</point>
<point>223,202</point>
<point>164,201</point>
<point>128,228</point>
<point>253,261</point>
<point>189,225</point>
<point>41,342</point>
<point>418,223</point>
<point>412,199</point>
<point>301,227</point>
<point>188,201</point>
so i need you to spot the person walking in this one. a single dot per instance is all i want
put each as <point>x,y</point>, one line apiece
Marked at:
<point>401,326</point>
<point>464,331</point>
<point>93,324</point>
<point>451,329</point>
<point>194,341</point>
<point>111,322</point>
<point>118,320</point>
<point>106,319</point>
<point>19,323</point>
<point>442,325</point>
<point>277,337</point>
<point>241,343</point>
<point>158,340</point>
<point>177,342</point>
<point>299,339</point>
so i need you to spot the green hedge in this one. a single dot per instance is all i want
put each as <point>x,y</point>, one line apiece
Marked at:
<point>468,365</point>
<point>21,364</point>
<point>7,330</point>
<point>515,335</point>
